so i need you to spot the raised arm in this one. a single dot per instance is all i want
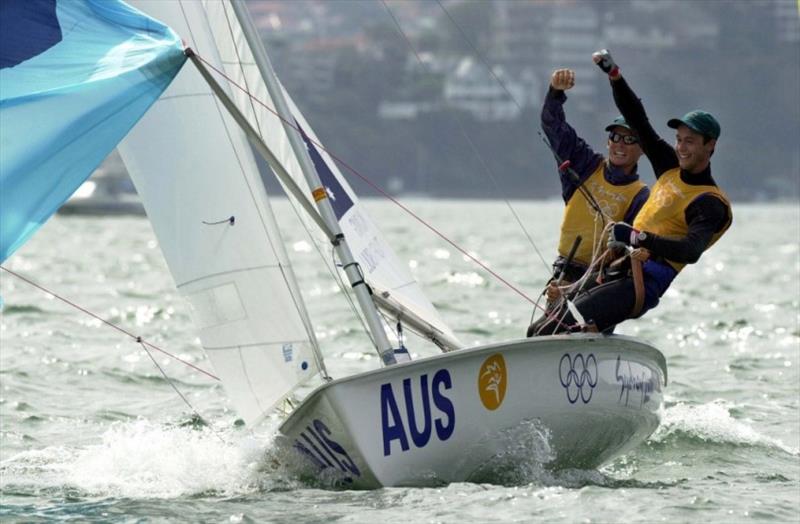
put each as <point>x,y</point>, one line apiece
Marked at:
<point>562,137</point>
<point>660,153</point>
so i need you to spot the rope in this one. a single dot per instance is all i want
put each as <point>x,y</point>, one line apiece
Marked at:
<point>136,338</point>
<point>576,287</point>
<point>175,388</point>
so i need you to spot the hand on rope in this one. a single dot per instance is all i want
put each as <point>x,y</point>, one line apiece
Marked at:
<point>553,292</point>
<point>623,235</point>
<point>605,62</point>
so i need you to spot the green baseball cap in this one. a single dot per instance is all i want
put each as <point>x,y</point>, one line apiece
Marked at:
<point>619,122</point>
<point>699,121</point>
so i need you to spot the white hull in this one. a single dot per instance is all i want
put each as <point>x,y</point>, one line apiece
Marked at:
<point>579,400</point>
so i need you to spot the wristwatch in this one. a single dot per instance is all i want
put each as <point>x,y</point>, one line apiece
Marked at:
<point>641,237</point>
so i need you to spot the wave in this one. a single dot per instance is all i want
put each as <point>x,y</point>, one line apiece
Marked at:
<point>711,423</point>
<point>19,309</point>
<point>141,459</point>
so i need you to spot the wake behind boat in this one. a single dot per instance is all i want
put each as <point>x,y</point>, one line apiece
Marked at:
<point>448,418</point>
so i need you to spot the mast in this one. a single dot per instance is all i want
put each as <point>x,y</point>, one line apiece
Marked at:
<point>349,263</point>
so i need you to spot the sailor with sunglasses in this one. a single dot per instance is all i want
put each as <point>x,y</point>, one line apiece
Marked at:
<point>685,215</point>
<point>613,181</point>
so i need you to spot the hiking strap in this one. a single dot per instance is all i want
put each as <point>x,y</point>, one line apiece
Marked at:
<point>638,286</point>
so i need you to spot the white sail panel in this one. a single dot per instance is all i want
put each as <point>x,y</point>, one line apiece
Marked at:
<point>382,268</point>
<point>200,186</point>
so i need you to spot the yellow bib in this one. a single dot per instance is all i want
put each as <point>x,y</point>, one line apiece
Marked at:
<point>664,213</point>
<point>580,218</point>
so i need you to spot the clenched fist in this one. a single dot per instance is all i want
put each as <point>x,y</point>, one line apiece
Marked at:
<point>562,79</point>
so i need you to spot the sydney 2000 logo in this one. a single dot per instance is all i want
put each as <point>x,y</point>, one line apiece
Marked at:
<point>578,376</point>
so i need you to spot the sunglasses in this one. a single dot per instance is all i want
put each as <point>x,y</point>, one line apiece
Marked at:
<point>628,140</point>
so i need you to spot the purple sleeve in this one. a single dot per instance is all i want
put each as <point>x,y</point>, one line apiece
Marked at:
<point>636,205</point>
<point>566,143</point>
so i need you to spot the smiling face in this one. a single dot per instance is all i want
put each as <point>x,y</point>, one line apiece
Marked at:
<point>694,152</point>
<point>621,155</point>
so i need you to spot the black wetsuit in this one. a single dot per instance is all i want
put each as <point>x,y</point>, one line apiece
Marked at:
<point>608,304</point>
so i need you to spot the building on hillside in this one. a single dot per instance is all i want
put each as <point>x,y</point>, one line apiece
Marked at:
<point>471,87</point>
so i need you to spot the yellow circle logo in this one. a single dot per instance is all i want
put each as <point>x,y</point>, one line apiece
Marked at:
<point>492,381</point>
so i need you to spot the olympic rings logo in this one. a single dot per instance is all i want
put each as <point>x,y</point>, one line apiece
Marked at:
<point>578,376</point>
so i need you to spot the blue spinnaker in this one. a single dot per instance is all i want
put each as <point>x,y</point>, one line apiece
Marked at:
<point>75,76</point>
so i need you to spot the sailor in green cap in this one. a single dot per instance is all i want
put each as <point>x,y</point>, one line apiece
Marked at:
<point>612,181</point>
<point>685,214</point>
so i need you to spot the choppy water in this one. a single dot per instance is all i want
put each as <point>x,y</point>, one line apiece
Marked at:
<point>91,431</point>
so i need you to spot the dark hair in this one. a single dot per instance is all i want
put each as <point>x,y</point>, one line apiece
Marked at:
<point>706,140</point>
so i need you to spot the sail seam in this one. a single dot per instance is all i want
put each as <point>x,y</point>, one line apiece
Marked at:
<point>253,392</point>
<point>190,95</point>
<point>225,273</point>
<point>301,311</point>
<point>254,344</point>
<point>293,289</point>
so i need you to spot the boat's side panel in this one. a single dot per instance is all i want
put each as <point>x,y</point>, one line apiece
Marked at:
<point>553,401</point>
<point>320,446</point>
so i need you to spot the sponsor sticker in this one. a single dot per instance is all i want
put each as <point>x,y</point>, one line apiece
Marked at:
<point>578,376</point>
<point>493,381</point>
<point>319,194</point>
<point>637,379</point>
<point>288,352</point>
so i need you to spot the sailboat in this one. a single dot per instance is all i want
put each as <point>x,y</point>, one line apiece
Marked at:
<point>456,416</point>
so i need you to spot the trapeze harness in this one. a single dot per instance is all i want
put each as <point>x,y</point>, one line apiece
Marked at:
<point>664,214</point>
<point>580,217</point>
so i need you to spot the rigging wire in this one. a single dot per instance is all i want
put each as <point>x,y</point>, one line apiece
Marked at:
<point>479,55</point>
<point>178,391</point>
<point>564,165</point>
<point>373,185</point>
<point>586,193</point>
<point>472,145</point>
<point>137,338</point>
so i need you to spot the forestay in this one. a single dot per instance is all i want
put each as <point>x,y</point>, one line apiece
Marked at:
<point>200,186</point>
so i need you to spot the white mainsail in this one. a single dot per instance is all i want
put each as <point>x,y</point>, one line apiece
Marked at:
<point>193,167</point>
<point>194,170</point>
